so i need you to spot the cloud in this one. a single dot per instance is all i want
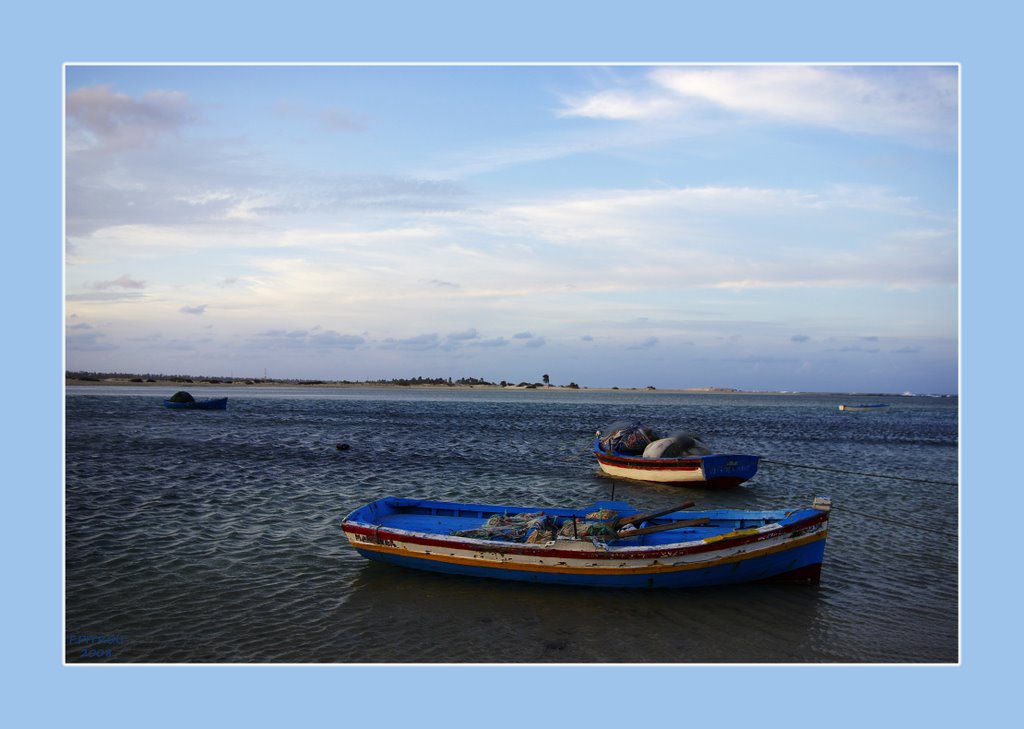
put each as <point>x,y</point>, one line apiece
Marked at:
<point>462,336</point>
<point>197,310</point>
<point>800,338</point>
<point>302,339</point>
<point>331,118</point>
<point>417,343</point>
<point>442,284</point>
<point>888,100</point>
<point>536,342</point>
<point>645,344</point>
<point>171,194</point>
<point>838,235</point>
<point>88,341</point>
<point>620,105</point>
<point>105,296</point>
<point>448,343</point>
<point>496,342</point>
<point>852,348</point>
<point>100,118</point>
<point>124,282</point>
<point>522,335</point>
<point>139,160</point>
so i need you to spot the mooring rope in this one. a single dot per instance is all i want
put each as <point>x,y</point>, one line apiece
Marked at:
<point>859,473</point>
<point>894,521</point>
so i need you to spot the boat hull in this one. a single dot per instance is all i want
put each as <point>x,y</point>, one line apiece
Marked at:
<point>788,550</point>
<point>219,403</point>
<point>718,471</point>
<point>862,408</point>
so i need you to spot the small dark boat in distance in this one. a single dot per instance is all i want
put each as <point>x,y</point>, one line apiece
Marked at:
<point>184,401</point>
<point>859,408</point>
<point>607,544</point>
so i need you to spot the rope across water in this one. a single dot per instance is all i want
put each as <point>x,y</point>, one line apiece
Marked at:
<point>859,473</point>
<point>875,475</point>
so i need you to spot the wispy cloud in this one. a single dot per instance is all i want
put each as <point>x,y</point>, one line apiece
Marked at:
<point>100,118</point>
<point>645,344</point>
<point>141,161</point>
<point>417,343</point>
<point>305,339</point>
<point>88,341</point>
<point>106,296</point>
<point>620,105</point>
<point>495,342</point>
<point>859,99</point>
<point>442,284</point>
<point>196,310</point>
<point>124,282</point>
<point>330,118</point>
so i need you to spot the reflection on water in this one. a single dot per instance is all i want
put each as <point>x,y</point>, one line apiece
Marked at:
<point>501,622</point>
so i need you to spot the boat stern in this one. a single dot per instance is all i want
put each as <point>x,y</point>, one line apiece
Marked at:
<point>728,470</point>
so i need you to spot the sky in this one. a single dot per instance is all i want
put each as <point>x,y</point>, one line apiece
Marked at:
<point>762,227</point>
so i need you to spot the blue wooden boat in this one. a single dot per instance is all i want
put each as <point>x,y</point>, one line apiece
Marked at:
<point>607,544</point>
<point>210,403</point>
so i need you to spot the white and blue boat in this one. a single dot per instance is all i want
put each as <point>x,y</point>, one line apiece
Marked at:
<point>634,451</point>
<point>713,471</point>
<point>607,544</point>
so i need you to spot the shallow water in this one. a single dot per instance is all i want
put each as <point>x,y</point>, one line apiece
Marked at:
<point>206,536</point>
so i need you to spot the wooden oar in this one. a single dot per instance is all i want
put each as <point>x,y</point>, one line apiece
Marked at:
<point>662,527</point>
<point>651,515</point>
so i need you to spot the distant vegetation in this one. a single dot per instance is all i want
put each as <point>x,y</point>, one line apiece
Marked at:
<point>82,376</point>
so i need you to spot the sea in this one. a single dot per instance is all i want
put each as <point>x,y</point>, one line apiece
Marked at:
<point>214,537</point>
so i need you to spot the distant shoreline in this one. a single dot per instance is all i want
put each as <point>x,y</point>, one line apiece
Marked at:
<point>202,383</point>
<point>305,384</point>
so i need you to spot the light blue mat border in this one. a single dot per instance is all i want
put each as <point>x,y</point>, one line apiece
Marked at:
<point>46,35</point>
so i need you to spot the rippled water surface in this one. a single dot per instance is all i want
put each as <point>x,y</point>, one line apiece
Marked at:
<point>198,536</point>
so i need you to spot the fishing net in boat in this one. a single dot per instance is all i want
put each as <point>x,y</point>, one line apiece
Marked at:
<point>181,396</point>
<point>531,528</point>
<point>627,438</point>
<point>538,528</point>
<point>599,524</point>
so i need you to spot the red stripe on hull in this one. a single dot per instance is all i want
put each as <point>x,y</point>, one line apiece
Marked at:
<point>650,464</point>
